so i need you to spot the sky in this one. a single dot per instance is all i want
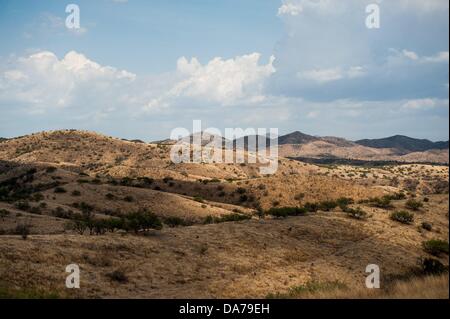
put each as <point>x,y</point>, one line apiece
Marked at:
<point>141,68</point>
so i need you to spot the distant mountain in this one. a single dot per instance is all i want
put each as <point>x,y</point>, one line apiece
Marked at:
<point>297,138</point>
<point>403,143</point>
<point>2,139</point>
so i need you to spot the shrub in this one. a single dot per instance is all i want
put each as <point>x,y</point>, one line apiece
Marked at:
<point>431,266</point>
<point>128,198</point>
<point>426,200</point>
<point>36,197</point>
<point>356,213</point>
<point>427,226</point>
<point>118,275</point>
<point>241,190</point>
<point>110,196</point>
<point>235,217</point>
<point>436,247</point>
<point>50,169</point>
<point>243,198</point>
<point>327,206</point>
<point>35,210</point>
<point>286,211</point>
<point>60,190</point>
<point>311,207</point>
<point>22,205</point>
<point>413,204</point>
<point>402,217</point>
<point>176,221</point>
<point>343,202</point>
<point>198,199</point>
<point>22,230</point>
<point>383,202</point>
<point>167,179</point>
<point>3,213</point>
<point>76,193</point>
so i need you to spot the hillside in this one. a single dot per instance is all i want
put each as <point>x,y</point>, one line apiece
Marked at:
<point>403,143</point>
<point>219,236</point>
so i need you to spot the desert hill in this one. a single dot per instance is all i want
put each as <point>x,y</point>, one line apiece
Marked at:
<point>404,143</point>
<point>222,234</point>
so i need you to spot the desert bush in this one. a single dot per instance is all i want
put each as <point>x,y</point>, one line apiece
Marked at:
<point>22,230</point>
<point>243,198</point>
<point>235,217</point>
<point>397,196</point>
<point>4,213</point>
<point>22,205</point>
<point>327,205</point>
<point>383,202</point>
<point>402,217</point>
<point>241,190</point>
<point>128,198</point>
<point>343,202</point>
<point>413,204</point>
<point>76,193</point>
<point>167,179</point>
<point>50,169</point>
<point>36,197</point>
<point>427,226</point>
<point>311,207</point>
<point>198,199</point>
<point>436,247</point>
<point>110,196</point>
<point>59,190</point>
<point>176,221</point>
<point>432,266</point>
<point>286,211</point>
<point>118,275</point>
<point>35,210</point>
<point>356,213</point>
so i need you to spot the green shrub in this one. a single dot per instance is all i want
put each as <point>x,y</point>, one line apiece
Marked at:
<point>436,247</point>
<point>402,217</point>
<point>383,202</point>
<point>311,207</point>
<point>327,205</point>
<point>286,211</point>
<point>343,202</point>
<point>413,204</point>
<point>356,213</point>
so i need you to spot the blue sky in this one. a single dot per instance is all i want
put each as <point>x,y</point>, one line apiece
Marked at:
<point>138,69</point>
